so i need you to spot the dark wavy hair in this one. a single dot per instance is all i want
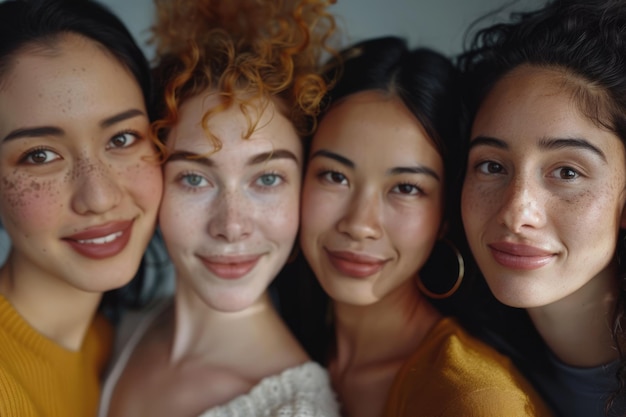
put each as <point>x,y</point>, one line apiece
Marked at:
<point>585,39</point>
<point>41,24</point>
<point>429,85</point>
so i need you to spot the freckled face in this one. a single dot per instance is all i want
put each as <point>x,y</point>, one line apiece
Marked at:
<point>544,193</point>
<point>229,219</point>
<point>372,199</point>
<point>79,198</point>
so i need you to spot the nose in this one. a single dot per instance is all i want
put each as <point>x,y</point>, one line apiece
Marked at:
<point>523,205</point>
<point>362,219</point>
<point>97,188</point>
<point>231,217</point>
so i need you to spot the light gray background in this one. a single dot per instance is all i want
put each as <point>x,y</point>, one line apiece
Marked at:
<point>439,24</point>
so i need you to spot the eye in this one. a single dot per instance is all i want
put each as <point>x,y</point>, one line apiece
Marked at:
<point>122,140</point>
<point>490,167</point>
<point>269,180</point>
<point>334,177</point>
<point>193,180</point>
<point>567,173</point>
<point>39,157</point>
<point>407,189</point>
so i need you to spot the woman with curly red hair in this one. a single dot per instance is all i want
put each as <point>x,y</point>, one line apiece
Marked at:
<point>239,89</point>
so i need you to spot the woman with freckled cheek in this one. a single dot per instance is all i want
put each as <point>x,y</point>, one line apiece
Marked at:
<point>381,167</point>
<point>232,128</point>
<point>544,197</point>
<point>79,194</point>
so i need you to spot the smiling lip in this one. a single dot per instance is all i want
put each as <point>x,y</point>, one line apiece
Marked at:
<point>521,257</point>
<point>230,267</point>
<point>100,242</point>
<point>355,265</point>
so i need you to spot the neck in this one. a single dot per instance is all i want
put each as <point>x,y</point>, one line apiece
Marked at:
<point>226,337</point>
<point>54,308</point>
<point>390,329</point>
<point>578,328</point>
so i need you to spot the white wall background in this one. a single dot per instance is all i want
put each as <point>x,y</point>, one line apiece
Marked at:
<point>438,24</point>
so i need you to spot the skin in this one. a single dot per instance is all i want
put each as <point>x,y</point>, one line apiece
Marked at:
<point>228,252</point>
<point>543,202</point>
<point>229,220</point>
<point>76,169</point>
<point>371,212</point>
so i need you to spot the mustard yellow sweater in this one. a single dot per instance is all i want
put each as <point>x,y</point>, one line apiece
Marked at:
<point>453,374</point>
<point>40,378</point>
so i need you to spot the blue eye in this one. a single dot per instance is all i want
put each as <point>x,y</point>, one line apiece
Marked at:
<point>269,180</point>
<point>193,180</point>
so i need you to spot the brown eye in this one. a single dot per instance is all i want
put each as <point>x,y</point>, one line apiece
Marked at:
<point>39,157</point>
<point>122,140</point>
<point>567,173</point>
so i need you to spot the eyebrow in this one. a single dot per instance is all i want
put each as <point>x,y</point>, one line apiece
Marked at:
<point>558,143</point>
<point>34,132</point>
<point>545,144</point>
<point>254,160</point>
<point>421,170</point>
<point>488,141</point>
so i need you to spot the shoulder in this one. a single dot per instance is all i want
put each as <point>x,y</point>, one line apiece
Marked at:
<point>454,372</point>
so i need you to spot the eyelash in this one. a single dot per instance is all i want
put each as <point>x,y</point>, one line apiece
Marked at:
<point>29,154</point>
<point>135,134</point>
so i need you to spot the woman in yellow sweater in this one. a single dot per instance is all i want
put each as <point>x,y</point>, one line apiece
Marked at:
<point>78,196</point>
<point>376,196</point>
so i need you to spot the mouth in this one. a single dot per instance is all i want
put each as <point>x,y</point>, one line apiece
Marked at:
<point>355,265</point>
<point>101,242</point>
<point>520,257</point>
<point>230,267</point>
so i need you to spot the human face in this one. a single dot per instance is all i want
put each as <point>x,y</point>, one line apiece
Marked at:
<point>230,218</point>
<point>372,199</point>
<point>79,195</point>
<point>544,192</point>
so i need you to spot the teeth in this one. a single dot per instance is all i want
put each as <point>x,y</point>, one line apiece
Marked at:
<point>102,240</point>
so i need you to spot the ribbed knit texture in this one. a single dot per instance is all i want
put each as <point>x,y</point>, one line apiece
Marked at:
<point>38,377</point>
<point>452,374</point>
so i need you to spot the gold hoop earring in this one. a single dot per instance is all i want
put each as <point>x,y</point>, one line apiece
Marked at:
<point>435,265</point>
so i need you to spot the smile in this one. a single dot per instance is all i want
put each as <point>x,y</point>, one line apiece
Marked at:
<point>230,267</point>
<point>355,265</point>
<point>101,242</point>
<point>520,257</point>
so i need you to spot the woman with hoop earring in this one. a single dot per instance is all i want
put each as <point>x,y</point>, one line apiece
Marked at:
<point>374,206</point>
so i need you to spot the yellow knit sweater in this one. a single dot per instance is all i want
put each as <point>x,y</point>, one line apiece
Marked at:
<point>452,374</point>
<point>40,378</point>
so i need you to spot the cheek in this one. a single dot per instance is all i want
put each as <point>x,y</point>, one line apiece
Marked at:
<point>182,217</point>
<point>414,231</point>
<point>145,181</point>
<point>30,203</point>
<point>477,202</point>
<point>281,219</point>
<point>320,210</point>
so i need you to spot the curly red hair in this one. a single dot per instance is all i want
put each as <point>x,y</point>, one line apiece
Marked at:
<point>247,52</point>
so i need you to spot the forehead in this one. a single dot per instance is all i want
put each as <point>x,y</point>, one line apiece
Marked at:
<point>531,105</point>
<point>373,124</point>
<point>77,79</point>
<point>231,126</point>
